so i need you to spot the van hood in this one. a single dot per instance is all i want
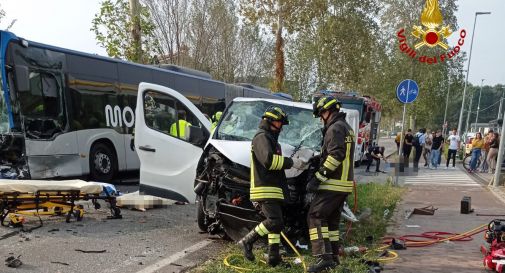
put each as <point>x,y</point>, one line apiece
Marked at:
<point>240,151</point>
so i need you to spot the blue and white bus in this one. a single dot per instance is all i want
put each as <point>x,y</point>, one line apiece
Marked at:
<point>65,113</point>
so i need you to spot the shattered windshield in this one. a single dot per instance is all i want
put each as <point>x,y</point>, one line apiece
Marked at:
<point>242,118</point>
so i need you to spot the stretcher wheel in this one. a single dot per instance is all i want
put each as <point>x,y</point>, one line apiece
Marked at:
<point>78,215</point>
<point>67,218</point>
<point>58,211</point>
<point>97,205</point>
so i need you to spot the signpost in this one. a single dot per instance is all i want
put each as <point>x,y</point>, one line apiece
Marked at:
<point>406,92</point>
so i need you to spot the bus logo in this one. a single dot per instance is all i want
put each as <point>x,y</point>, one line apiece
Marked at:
<point>431,34</point>
<point>116,118</point>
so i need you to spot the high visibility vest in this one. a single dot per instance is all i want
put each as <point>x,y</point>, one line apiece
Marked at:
<point>182,129</point>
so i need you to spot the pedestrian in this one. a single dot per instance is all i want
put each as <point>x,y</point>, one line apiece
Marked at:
<point>418,143</point>
<point>407,147</point>
<point>267,180</point>
<point>332,184</point>
<point>487,141</point>
<point>454,144</point>
<point>375,154</point>
<point>493,151</point>
<point>477,145</point>
<point>428,142</point>
<point>398,139</point>
<point>436,147</point>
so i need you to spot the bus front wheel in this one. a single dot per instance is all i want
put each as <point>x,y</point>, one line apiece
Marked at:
<point>102,163</point>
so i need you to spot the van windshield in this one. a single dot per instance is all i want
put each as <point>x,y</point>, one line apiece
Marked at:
<point>242,118</point>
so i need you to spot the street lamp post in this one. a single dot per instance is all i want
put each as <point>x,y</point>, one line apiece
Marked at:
<point>499,109</point>
<point>469,112</point>
<point>460,121</point>
<point>444,129</point>
<point>478,106</point>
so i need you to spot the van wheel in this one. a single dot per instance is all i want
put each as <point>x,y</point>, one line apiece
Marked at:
<point>201,217</point>
<point>102,163</point>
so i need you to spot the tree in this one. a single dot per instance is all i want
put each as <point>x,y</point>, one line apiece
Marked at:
<point>171,19</point>
<point>113,30</point>
<point>291,15</point>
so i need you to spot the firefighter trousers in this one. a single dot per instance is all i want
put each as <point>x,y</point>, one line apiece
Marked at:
<point>273,224</point>
<point>324,218</point>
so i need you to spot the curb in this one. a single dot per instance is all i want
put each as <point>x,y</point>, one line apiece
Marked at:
<point>496,191</point>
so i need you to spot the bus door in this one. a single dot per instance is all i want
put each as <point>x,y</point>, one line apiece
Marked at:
<point>170,133</point>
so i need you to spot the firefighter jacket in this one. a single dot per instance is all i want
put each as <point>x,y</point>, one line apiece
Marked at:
<point>336,168</point>
<point>267,165</point>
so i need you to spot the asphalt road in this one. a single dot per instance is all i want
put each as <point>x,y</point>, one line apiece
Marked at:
<point>141,239</point>
<point>158,240</point>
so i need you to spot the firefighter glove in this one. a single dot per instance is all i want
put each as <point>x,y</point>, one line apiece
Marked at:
<point>299,163</point>
<point>313,185</point>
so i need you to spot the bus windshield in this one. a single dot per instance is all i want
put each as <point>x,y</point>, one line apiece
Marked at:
<point>4,118</point>
<point>241,121</point>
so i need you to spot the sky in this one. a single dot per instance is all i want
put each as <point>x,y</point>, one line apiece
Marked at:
<point>67,23</point>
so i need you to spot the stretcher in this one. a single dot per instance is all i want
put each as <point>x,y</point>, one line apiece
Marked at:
<point>37,198</point>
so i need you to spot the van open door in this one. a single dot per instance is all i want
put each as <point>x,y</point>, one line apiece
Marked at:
<point>170,133</point>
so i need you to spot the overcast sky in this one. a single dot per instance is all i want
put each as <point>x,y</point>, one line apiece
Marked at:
<point>67,23</point>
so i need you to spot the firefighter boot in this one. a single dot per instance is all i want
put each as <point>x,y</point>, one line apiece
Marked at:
<point>335,248</point>
<point>274,258</point>
<point>247,242</point>
<point>323,262</point>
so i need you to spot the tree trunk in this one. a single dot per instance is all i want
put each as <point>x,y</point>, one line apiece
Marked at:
<point>279,58</point>
<point>135,17</point>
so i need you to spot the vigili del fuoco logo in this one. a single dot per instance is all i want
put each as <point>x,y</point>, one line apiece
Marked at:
<point>431,34</point>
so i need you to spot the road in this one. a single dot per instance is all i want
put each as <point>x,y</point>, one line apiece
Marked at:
<point>131,244</point>
<point>155,239</point>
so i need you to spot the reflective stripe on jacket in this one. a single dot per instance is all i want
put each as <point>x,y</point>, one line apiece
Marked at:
<point>267,165</point>
<point>336,171</point>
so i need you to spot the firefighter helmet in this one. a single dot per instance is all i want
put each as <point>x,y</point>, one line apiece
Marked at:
<point>326,103</point>
<point>275,113</point>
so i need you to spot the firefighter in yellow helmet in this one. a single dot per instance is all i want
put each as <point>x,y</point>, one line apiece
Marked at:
<point>267,178</point>
<point>331,184</point>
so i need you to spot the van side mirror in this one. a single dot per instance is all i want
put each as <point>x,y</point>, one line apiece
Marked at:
<point>22,78</point>
<point>197,136</point>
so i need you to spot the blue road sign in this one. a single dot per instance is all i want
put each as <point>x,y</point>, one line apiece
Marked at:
<point>407,91</point>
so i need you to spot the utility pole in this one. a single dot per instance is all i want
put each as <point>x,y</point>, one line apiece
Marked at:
<point>499,160</point>
<point>478,106</point>
<point>136,31</point>
<point>501,103</point>
<point>444,128</point>
<point>469,113</point>
<point>460,121</point>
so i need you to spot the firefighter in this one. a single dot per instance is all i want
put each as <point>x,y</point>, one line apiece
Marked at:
<point>267,179</point>
<point>331,184</point>
<point>178,128</point>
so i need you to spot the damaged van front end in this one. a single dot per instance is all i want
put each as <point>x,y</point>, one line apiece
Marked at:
<point>222,181</point>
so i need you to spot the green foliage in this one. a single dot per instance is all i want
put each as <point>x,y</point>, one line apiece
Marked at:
<point>377,197</point>
<point>113,31</point>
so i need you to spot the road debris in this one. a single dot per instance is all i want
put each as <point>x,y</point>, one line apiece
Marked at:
<point>13,262</point>
<point>62,263</point>
<point>91,251</point>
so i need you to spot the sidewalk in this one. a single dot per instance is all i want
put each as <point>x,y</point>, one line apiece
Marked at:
<point>428,188</point>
